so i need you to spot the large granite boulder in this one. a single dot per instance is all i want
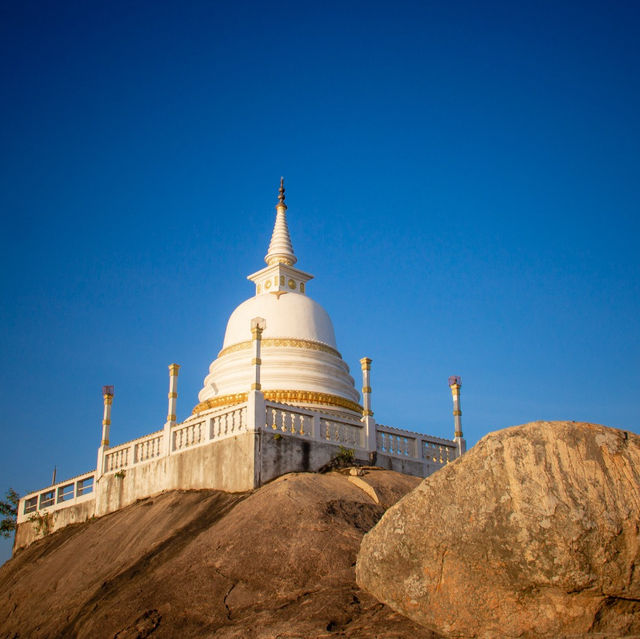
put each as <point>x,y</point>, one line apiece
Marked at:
<point>533,533</point>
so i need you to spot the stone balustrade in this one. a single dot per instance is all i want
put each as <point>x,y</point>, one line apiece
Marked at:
<point>346,433</point>
<point>412,445</point>
<point>287,420</point>
<point>136,451</point>
<point>290,420</point>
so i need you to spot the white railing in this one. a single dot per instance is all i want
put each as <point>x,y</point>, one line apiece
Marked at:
<point>292,420</point>
<point>411,445</point>
<point>188,436</point>
<point>349,434</point>
<point>229,422</point>
<point>65,493</point>
<point>136,451</point>
<point>437,452</point>
<point>224,423</point>
<point>147,449</point>
<point>289,421</point>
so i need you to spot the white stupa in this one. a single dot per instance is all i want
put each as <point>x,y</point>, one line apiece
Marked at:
<point>300,362</point>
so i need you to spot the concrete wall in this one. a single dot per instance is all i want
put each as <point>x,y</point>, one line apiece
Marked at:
<point>27,532</point>
<point>227,464</point>
<point>289,454</point>
<point>406,466</point>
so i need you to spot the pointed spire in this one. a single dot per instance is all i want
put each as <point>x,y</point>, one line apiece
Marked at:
<point>280,248</point>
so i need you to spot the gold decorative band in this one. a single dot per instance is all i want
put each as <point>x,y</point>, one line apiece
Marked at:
<point>365,362</point>
<point>284,397</point>
<point>105,442</point>
<point>106,422</point>
<point>256,331</point>
<point>256,386</point>
<point>172,395</point>
<point>282,342</point>
<point>367,413</point>
<point>366,389</point>
<point>457,412</point>
<point>256,361</point>
<point>279,259</point>
<point>108,399</point>
<point>171,418</point>
<point>173,369</point>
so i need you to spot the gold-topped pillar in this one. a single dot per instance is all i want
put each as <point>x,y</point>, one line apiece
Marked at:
<point>256,409</point>
<point>257,326</point>
<point>455,382</point>
<point>365,363</point>
<point>107,396</point>
<point>173,392</point>
<point>171,413</point>
<point>367,414</point>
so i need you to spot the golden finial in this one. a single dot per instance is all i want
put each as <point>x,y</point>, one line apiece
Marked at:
<point>281,192</point>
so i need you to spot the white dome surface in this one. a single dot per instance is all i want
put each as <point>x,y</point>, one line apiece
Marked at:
<point>289,315</point>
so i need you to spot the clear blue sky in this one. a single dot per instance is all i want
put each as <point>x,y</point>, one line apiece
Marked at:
<point>462,180</point>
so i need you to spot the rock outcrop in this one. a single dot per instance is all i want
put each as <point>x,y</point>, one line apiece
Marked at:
<point>277,562</point>
<point>535,532</point>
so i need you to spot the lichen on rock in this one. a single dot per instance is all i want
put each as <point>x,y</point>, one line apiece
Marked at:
<point>533,533</point>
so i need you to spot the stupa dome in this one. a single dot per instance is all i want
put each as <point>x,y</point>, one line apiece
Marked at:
<point>300,363</point>
<point>289,315</point>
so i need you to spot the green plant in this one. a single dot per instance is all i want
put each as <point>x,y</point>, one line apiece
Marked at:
<point>120,474</point>
<point>345,456</point>
<point>42,523</point>
<point>9,512</point>
<point>277,436</point>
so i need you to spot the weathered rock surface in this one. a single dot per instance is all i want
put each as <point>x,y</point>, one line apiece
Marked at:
<point>278,562</point>
<point>533,533</point>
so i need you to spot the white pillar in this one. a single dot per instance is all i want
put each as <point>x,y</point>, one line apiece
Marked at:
<point>256,409</point>
<point>367,414</point>
<point>171,414</point>
<point>173,392</point>
<point>455,383</point>
<point>107,395</point>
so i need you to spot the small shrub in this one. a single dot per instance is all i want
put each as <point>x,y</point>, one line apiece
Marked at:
<point>345,456</point>
<point>42,523</point>
<point>120,474</point>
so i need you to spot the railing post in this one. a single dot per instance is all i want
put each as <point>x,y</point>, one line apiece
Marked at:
<point>256,411</point>
<point>315,427</point>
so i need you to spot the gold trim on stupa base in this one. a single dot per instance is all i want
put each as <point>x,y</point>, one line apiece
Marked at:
<point>282,397</point>
<point>286,342</point>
